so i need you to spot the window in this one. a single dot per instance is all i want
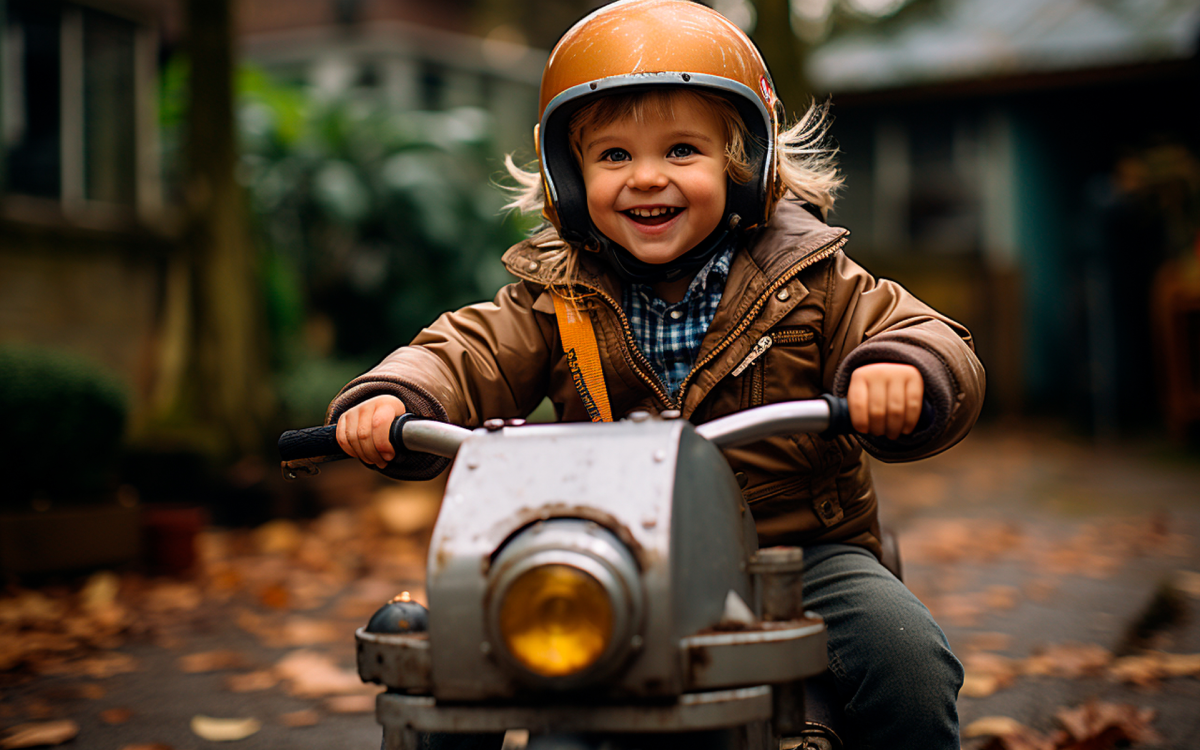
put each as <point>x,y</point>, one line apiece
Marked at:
<point>74,106</point>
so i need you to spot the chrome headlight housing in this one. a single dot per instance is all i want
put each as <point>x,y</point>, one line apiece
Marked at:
<point>564,603</point>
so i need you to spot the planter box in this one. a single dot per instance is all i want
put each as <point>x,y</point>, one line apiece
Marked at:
<point>69,538</point>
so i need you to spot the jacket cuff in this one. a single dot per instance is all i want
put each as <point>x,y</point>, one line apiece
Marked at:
<point>939,395</point>
<point>406,465</point>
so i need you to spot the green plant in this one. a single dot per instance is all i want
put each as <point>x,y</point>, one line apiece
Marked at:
<point>370,221</point>
<point>64,425</point>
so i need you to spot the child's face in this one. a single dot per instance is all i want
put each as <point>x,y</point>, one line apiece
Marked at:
<point>657,188</point>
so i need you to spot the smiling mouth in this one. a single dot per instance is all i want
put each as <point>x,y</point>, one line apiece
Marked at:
<point>652,216</point>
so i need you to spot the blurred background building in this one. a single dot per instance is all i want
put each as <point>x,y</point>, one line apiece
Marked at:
<point>1033,166</point>
<point>206,199</point>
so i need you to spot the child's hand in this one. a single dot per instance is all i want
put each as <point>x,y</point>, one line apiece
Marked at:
<point>885,399</point>
<point>364,430</point>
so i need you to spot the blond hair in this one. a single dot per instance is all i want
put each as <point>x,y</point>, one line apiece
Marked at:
<point>807,164</point>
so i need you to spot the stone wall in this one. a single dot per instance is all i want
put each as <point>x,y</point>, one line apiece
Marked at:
<point>95,294</point>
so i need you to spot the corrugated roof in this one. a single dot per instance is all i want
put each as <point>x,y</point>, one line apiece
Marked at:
<point>964,39</point>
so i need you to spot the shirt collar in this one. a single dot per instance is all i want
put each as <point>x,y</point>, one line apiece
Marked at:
<point>717,269</point>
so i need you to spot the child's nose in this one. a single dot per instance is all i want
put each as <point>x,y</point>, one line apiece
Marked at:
<point>647,176</point>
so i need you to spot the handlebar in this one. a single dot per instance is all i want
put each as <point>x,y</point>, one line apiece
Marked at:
<point>828,415</point>
<point>302,449</point>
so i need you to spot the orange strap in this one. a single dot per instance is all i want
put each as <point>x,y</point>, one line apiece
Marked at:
<point>583,357</point>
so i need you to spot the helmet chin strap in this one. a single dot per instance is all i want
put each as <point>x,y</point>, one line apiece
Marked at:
<point>631,269</point>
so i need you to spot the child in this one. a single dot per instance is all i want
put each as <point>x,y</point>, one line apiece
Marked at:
<point>689,230</point>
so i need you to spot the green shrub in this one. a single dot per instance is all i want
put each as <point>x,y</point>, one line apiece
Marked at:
<point>64,420</point>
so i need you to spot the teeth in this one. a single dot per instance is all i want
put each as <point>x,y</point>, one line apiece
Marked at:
<point>650,212</point>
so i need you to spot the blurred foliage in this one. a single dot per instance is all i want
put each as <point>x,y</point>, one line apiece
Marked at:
<point>52,398</point>
<point>371,222</point>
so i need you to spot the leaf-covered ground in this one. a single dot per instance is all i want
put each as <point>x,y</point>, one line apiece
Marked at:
<point>1066,576</point>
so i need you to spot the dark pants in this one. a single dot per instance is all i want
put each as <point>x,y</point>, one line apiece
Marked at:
<point>890,661</point>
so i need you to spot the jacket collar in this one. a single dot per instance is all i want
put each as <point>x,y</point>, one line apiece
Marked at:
<point>792,235</point>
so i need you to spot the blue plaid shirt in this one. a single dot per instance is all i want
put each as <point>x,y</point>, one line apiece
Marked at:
<point>670,335</point>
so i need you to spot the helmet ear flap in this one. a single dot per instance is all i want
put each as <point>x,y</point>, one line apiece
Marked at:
<point>549,210</point>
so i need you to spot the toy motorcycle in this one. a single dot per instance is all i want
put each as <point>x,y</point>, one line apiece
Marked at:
<point>599,585</point>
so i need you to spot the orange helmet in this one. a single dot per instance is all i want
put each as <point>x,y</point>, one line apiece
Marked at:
<point>633,45</point>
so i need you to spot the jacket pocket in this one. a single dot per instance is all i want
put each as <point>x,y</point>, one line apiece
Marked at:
<point>794,335</point>
<point>791,368</point>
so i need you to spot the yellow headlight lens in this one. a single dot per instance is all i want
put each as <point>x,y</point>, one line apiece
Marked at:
<point>556,620</point>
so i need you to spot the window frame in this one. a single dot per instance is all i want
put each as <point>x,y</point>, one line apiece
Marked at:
<point>72,206</point>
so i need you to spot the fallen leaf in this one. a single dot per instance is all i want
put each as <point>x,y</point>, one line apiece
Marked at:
<point>1001,597</point>
<point>100,591</point>
<point>275,596</point>
<point>992,726</point>
<point>212,661</point>
<point>1069,660</point>
<point>259,625</point>
<point>173,597</point>
<point>350,704</point>
<point>28,608</point>
<point>1150,667</point>
<point>979,685</point>
<point>986,673</point>
<point>1180,665</point>
<point>116,715</point>
<point>1110,722</point>
<point>40,733</point>
<point>280,536</point>
<point>962,610</point>
<point>304,718</point>
<point>1144,669</point>
<point>315,675</point>
<point>302,631</point>
<point>224,730</point>
<point>262,679</point>
<point>403,511</point>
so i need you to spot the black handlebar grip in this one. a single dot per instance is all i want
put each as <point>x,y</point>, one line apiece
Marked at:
<point>839,417</point>
<point>310,442</point>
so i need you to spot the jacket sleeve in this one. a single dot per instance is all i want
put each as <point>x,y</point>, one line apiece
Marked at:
<point>483,361</point>
<point>872,320</point>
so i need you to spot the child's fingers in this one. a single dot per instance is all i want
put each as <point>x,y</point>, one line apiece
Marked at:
<point>343,431</point>
<point>897,414</point>
<point>914,397</point>
<point>364,436</point>
<point>877,408</point>
<point>856,399</point>
<point>381,430</point>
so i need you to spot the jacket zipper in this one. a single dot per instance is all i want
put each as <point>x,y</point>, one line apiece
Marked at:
<point>748,318</point>
<point>786,336</point>
<point>650,379</point>
<point>759,349</point>
<point>770,339</point>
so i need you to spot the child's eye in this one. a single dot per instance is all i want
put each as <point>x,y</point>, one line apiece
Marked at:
<point>682,150</point>
<point>615,154</point>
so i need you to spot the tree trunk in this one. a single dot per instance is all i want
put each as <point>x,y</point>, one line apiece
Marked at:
<point>220,383</point>
<point>784,54</point>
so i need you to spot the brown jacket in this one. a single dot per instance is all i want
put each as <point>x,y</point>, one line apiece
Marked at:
<point>825,316</point>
